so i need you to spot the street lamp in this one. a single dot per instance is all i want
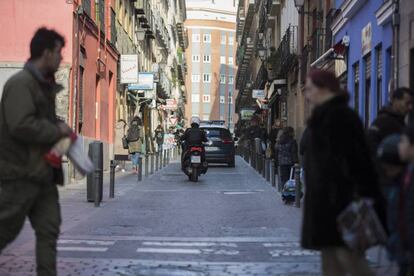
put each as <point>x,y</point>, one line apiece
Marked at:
<point>299,4</point>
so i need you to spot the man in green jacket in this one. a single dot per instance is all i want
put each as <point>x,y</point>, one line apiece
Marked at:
<point>28,130</point>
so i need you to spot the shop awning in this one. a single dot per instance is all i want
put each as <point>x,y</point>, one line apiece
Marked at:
<point>337,52</point>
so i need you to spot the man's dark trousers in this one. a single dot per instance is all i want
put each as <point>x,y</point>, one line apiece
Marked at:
<point>40,203</point>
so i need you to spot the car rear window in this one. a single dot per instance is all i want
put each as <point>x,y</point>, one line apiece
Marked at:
<point>217,132</point>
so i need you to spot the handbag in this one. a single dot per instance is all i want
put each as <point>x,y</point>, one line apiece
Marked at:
<point>360,226</point>
<point>125,142</point>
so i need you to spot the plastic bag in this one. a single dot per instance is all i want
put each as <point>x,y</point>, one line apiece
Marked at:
<point>79,158</point>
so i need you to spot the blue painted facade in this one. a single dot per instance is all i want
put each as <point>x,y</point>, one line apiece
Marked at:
<point>381,42</point>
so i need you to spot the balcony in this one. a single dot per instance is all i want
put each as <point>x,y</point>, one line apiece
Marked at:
<point>261,78</point>
<point>182,68</point>
<point>244,55</point>
<point>263,17</point>
<point>161,31</point>
<point>182,35</point>
<point>317,43</point>
<point>282,60</point>
<point>245,31</point>
<point>304,63</point>
<point>240,19</point>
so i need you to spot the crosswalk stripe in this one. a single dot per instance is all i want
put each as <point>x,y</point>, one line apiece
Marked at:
<point>282,244</point>
<point>88,242</point>
<point>190,244</point>
<point>169,250</point>
<point>82,249</point>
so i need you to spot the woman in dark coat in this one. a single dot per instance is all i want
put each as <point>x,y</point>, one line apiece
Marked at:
<point>286,153</point>
<point>338,166</point>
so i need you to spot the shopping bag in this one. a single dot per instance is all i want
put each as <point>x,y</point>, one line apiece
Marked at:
<point>125,142</point>
<point>360,226</point>
<point>79,158</point>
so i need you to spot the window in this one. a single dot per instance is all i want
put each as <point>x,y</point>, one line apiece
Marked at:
<point>222,79</point>
<point>231,79</point>
<point>195,98</point>
<point>196,37</point>
<point>206,98</point>
<point>195,78</point>
<point>207,59</point>
<point>196,58</point>
<point>223,39</point>
<point>231,40</point>
<point>379,77</point>
<point>206,117</point>
<point>356,87</point>
<point>367,61</point>
<point>207,38</point>
<point>231,61</point>
<point>222,99</point>
<point>206,78</point>
<point>230,99</point>
<point>222,60</point>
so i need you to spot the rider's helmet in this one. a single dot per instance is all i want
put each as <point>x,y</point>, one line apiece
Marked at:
<point>195,120</point>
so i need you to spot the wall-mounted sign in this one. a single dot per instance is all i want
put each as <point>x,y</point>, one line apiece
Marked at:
<point>246,114</point>
<point>171,104</point>
<point>129,68</point>
<point>366,37</point>
<point>258,94</point>
<point>145,82</point>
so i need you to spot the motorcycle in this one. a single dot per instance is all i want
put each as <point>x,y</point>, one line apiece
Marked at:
<point>193,163</point>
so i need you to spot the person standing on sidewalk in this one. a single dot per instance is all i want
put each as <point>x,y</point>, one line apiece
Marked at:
<point>159,137</point>
<point>338,165</point>
<point>28,130</point>
<point>286,153</point>
<point>134,137</point>
<point>391,119</point>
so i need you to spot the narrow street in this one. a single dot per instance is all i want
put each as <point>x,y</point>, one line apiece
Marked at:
<point>231,222</point>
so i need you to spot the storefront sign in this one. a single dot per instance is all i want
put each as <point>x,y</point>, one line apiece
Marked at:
<point>246,114</point>
<point>366,37</point>
<point>258,94</point>
<point>129,68</point>
<point>145,82</point>
<point>171,104</point>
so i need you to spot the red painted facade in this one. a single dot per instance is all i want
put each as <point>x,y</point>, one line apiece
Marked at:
<point>20,18</point>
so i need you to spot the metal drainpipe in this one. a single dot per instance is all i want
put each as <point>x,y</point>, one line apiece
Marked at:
<point>396,38</point>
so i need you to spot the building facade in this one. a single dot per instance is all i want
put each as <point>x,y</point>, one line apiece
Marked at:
<point>211,61</point>
<point>367,26</point>
<point>406,42</point>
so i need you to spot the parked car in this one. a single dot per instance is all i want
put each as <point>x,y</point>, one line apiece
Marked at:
<point>221,148</point>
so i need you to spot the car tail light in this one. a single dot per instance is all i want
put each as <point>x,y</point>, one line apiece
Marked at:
<point>227,141</point>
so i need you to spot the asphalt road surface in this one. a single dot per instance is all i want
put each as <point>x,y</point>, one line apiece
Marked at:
<point>232,222</point>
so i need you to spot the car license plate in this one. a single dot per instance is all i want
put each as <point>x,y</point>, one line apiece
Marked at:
<point>196,159</point>
<point>212,148</point>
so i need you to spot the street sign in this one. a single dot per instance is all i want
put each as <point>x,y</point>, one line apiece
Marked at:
<point>247,114</point>
<point>258,94</point>
<point>129,68</point>
<point>145,82</point>
<point>173,120</point>
<point>171,104</point>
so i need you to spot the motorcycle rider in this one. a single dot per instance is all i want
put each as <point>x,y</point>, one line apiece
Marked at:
<point>193,136</point>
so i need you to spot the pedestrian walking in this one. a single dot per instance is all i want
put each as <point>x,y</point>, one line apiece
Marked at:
<point>286,153</point>
<point>134,137</point>
<point>159,137</point>
<point>402,236</point>
<point>338,166</point>
<point>28,130</point>
<point>276,127</point>
<point>391,119</point>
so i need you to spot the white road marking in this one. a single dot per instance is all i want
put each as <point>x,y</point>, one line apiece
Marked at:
<point>88,242</point>
<point>82,249</point>
<point>290,253</point>
<point>238,193</point>
<point>286,238</point>
<point>189,244</point>
<point>282,244</point>
<point>169,250</point>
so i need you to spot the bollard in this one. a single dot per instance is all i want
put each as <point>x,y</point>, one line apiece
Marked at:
<point>146,165</point>
<point>273,172</point>
<point>140,168</point>
<point>263,166</point>
<point>157,160</point>
<point>164,158</point>
<point>298,186</point>
<point>267,170</point>
<point>151,156</point>
<point>112,179</point>
<point>97,189</point>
